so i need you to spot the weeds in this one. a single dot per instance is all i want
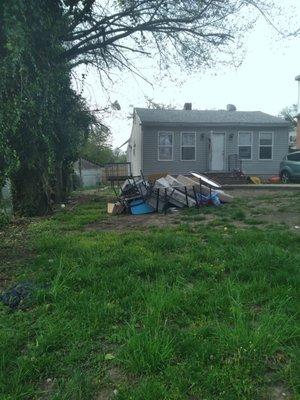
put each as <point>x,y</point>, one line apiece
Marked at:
<point>186,312</point>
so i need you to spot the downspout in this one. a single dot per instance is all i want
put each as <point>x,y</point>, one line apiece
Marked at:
<point>142,149</point>
<point>210,150</point>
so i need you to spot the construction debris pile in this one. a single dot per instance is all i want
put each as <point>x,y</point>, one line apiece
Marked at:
<point>138,195</point>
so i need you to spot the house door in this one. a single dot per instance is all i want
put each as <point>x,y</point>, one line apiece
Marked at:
<point>217,151</point>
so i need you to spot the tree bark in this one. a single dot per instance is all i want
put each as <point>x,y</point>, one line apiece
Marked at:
<point>66,178</point>
<point>59,189</point>
<point>30,192</point>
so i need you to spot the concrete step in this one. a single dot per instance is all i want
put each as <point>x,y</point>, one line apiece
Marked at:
<point>227,178</point>
<point>264,186</point>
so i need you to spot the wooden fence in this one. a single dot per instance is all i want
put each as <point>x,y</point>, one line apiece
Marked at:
<point>116,171</point>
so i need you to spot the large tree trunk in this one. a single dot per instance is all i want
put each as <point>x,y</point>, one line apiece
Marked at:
<point>62,181</point>
<point>67,178</point>
<point>30,192</point>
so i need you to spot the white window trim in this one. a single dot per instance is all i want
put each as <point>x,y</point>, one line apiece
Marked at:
<point>251,145</point>
<point>158,145</point>
<point>181,146</point>
<point>265,145</point>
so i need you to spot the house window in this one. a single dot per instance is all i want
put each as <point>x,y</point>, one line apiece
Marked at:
<point>188,146</point>
<point>165,146</point>
<point>245,145</point>
<point>265,145</point>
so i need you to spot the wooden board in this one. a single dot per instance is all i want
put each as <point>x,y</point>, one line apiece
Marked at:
<point>115,208</point>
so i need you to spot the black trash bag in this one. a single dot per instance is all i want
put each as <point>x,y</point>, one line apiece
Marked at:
<point>16,296</point>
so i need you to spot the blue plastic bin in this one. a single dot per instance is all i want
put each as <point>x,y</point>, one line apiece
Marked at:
<point>140,207</point>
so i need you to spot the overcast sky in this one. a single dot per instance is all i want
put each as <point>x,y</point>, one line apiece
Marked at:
<point>265,81</point>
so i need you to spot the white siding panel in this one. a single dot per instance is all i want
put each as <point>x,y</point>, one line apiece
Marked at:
<point>134,149</point>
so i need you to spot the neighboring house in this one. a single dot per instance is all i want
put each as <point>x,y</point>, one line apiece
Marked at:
<point>178,141</point>
<point>89,173</point>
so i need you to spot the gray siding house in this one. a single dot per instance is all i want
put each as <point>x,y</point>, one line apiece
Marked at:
<point>178,141</point>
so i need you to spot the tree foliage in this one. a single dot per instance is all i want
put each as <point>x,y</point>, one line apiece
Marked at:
<point>43,121</point>
<point>98,148</point>
<point>289,114</point>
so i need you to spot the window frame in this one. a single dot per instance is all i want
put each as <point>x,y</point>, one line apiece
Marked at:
<point>251,145</point>
<point>158,145</point>
<point>265,145</point>
<point>181,145</point>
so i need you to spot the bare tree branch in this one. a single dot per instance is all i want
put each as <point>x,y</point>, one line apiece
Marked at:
<point>192,31</point>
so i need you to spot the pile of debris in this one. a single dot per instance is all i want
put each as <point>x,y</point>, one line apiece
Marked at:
<point>138,195</point>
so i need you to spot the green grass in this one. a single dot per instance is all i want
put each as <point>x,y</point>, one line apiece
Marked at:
<point>192,311</point>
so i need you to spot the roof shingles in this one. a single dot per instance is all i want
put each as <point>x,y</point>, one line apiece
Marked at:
<point>208,117</point>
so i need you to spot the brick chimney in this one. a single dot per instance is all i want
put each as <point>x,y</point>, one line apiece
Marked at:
<point>187,106</point>
<point>298,115</point>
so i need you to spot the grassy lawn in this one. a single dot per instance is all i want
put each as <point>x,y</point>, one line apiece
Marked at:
<point>201,308</point>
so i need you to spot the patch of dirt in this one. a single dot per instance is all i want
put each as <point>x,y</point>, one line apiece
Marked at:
<point>105,394</point>
<point>257,193</point>
<point>128,222</point>
<point>156,220</point>
<point>47,388</point>
<point>290,219</point>
<point>265,206</point>
<point>271,206</point>
<point>115,375</point>
<point>278,392</point>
